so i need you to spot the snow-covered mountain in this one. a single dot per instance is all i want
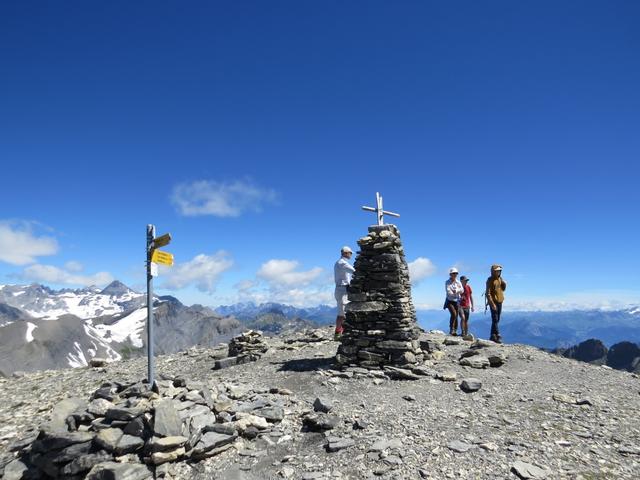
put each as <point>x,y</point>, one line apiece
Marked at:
<point>42,328</point>
<point>40,301</point>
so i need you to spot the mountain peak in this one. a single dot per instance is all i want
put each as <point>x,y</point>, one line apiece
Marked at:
<point>116,288</point>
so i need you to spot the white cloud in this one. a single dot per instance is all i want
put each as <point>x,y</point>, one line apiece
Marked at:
<point>588,300</point>
<point>60,276</point>
<point>298,297</point>
<point>20,246</point>
<point>74,266</point>
<point>282,281</point>
<point>220,199</point>
<point>203,271</point>
<point>420,269</point>
<point>283,273</point>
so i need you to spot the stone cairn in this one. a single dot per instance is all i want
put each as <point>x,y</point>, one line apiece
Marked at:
<point>380,327</point>
<point>248,344</point>
<point>247,347</point>
<point>129,432</point>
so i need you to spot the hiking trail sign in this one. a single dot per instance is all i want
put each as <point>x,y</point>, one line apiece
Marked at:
<point>154,257</point>
<point>164,258</point>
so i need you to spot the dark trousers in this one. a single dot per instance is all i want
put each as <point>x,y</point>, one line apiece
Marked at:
<point>495,320</point>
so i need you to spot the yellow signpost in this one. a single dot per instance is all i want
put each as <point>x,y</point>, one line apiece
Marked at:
<point>165,258</point>
<point>154,256</point>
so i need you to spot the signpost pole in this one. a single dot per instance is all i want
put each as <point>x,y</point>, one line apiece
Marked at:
<point>151,233</point>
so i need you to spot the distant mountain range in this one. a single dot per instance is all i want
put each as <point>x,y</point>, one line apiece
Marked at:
<point>43,328</point>
<point>621,356</point>
<point>321,315</point>
<point>550,330</point>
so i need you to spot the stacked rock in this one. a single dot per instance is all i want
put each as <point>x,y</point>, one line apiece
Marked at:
<point>380,327</point>
<point>249,345</point>
<point>129,432</point>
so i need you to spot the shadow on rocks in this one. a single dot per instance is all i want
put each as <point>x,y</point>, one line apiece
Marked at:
<point>306,364</point>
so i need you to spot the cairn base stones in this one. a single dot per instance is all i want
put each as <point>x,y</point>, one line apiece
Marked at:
<point>381,326</point>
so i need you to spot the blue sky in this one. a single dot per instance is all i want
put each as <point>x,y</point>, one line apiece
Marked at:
<point>254,131</point>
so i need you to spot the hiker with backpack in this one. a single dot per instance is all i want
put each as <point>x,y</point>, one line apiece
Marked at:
<point>494,296</point>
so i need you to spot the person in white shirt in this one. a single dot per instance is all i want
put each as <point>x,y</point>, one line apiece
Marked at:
<point>342,272</point>
<point>454,290</point>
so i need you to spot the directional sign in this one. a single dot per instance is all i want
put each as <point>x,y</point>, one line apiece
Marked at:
<point>162,240</point>
<point>153,269</point>
<point>164,258</point>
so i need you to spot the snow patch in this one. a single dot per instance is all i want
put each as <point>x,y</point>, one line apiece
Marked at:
<point>77,359</point>
<point>30,328</point>
<point>129,327</point>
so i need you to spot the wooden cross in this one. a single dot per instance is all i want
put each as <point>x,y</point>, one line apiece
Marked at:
<point>379,210</point>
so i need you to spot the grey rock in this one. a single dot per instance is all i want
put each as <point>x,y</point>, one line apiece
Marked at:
<point>72,451</point>
<point>386,444</point>
<point>400,373</point>
<point>365,306</point>
<point>321,422</point>
<point>166,422</point>
<point>128,444</point>
<point>226,428</point>
<point>212,440</point>
<point>119,471</point>
<point>225,363</point>
<point>323,404</point>
<point>109,438</point>
<point>200,422</point>
<point>423,371</point>
<point>271,414</point>
<point>469,385</point>
<point>61,411</point>
<point>496,359</point>
<point>336,444</point>
<point>477,361</point>
<point>99,407</point>
<point>124,414</point>
<point>158,458</point>
<point>84,463</point>
<point>136,427</point>
<point>48,441</point>
<point>361,424</point>
<point>14,470</point>
<point>529,471</point>
<point>458,446</point>
<point>98,362</point>
<point>157,444</point>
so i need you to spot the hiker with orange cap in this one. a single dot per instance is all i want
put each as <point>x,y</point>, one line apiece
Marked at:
<point>494,295</point>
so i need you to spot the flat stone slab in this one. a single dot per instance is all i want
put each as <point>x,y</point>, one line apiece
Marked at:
<point>528,471</point>
<point>366,307</point>
<point>119,471</point>
<point>336,444</point>
<point>167,422</point>
<point>477,361</point>
<point>459,447</point>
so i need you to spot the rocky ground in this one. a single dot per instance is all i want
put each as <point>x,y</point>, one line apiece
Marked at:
<point>530,415</point>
